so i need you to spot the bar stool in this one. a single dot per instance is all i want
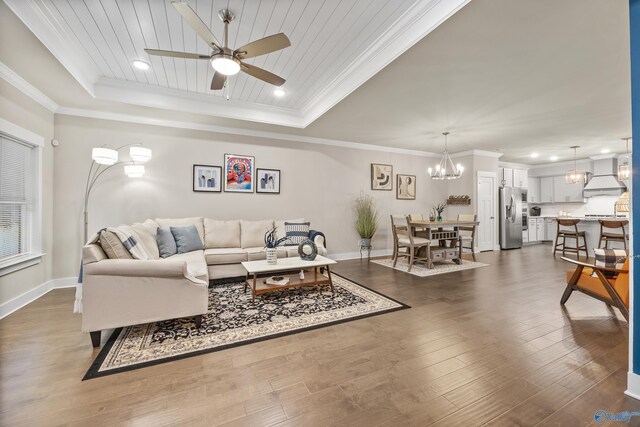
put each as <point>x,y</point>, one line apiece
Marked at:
<point>612,236</point>
<point>571,233</point>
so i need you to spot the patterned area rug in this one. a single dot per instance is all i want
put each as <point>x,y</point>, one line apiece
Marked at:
<point>421,270</point>
<point>232,321</point>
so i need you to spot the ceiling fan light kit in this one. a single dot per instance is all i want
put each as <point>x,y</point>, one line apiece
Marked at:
<point>446,168</point>
<point>226,61</point>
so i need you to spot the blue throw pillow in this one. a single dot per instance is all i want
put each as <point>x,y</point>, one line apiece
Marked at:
<point>187,239</point>
<point>166,242</point>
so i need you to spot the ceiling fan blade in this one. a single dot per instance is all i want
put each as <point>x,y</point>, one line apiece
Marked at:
<point>196,23</point>
<point>218,80</point>
<point>263,46</point>
<point>261,74</point>
<point>175,54</point>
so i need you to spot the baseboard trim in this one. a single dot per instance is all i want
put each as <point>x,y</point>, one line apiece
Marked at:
<point>356,255</point>
<point>633,385</point>
<point>28,297</point>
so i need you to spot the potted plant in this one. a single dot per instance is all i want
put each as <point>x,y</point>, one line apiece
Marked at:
<point>366,219</point>
<point>271,243</point>
<point>439,209</point>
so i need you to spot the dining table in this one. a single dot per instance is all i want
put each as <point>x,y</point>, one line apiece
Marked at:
<point>445,233</point>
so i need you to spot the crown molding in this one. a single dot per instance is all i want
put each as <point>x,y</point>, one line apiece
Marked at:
<point>190,102</point>
<point>483,153</point>
<point>564,163</point>
<point>52,35</point>
<point>11,77</point>
<point>418,21</point>
<point>128,118</point>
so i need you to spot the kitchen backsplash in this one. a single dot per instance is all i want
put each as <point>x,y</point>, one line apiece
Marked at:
<point>598,205</point>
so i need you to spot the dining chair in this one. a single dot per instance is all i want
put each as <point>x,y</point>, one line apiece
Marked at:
<point>404,239</point>
<point>568,229</point>
<point>612,236</point>
<point>467,236</point>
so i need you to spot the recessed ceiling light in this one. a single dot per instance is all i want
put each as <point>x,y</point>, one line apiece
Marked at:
<point>279,93</point>
<point>553,158</point>
<point>605,150</point>
<point>140,65</point>
<point>534,155</point>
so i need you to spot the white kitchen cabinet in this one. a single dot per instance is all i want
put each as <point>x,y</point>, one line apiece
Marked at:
<point>507,177</point>
<point>531,232</point>
<point>550,229</point>
<point>566,193</point>
<point>520,178</point>
<point>533,190</point>
<point>546,189</point>
<point>536,230</point>
<point>525,236</point>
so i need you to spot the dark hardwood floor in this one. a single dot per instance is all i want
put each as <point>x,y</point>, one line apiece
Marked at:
<point>485,346</point>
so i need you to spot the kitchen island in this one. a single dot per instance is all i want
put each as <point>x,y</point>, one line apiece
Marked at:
<point>589,224</point>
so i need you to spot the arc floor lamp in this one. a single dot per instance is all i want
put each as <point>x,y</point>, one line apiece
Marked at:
<point>103,159</point>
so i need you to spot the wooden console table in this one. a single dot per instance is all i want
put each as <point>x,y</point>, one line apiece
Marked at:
<point>446,233</point>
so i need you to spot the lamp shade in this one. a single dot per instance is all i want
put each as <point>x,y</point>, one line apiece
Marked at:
<point>139,154</point>
<point>104,156</point>
<point>624,172</point>
<point>134,171</point>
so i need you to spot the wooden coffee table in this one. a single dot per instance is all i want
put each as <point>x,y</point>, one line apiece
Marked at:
<point>258,287</point>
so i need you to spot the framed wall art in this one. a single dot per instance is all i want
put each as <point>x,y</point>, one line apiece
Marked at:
<point>239,172</point>
<point>268,181</point>
<point>381,177</point>
<point>207,178</point>
<point>406,187</point>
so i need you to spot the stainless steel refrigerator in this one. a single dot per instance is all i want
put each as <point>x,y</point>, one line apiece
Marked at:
<point>511,220</point>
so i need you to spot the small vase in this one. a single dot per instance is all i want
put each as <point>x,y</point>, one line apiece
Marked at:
<point>272,256</point>
<point>439,219</point>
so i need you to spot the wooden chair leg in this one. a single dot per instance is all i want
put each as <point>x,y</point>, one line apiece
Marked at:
<point>564,244</point>
<point>410,258</point>
<point>198,321</point>
<point>396,256</point>
<point>95,338</point>
<point>567,293</point>
<point>555,245</point>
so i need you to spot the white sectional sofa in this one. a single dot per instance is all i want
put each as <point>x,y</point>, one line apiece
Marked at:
<point>123,292</point>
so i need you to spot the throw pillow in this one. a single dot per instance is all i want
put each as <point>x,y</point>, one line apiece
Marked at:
<point>166,242</point>
<point>112,246</point>
<point>297,232</point>
<point>611,258</point>
<point>187,239</point>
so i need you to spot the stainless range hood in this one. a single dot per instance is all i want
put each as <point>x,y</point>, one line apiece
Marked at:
<point>604,181</point>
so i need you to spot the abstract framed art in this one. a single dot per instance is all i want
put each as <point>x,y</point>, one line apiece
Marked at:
<point>207,178</point>
<point>268,181</point>
<point>381,177</point>
<point>239,172</point>
<point>406,187</point>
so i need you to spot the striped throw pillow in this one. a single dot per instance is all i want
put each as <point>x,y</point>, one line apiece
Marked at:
<point>297,232</point>
<point>611,258</point>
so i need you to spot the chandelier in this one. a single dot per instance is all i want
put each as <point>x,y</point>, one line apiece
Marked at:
<point>624,171</point>
<point>446,169</point>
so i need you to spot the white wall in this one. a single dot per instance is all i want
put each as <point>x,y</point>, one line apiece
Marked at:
<point>319,183</point>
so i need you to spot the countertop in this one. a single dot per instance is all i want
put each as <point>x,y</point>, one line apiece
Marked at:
<point>581,218</point>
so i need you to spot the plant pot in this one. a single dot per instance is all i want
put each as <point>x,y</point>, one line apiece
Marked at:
<point>272,256</point>
<point>439,219</point>
<point>365,243</point>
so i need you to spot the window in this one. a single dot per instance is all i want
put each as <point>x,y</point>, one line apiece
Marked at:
<point>19,198</point>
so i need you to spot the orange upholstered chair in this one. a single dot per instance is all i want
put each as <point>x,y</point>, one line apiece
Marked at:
<point>613,291</point>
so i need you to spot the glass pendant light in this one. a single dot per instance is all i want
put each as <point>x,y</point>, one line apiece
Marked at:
<point>575,176</point>
<point>624,170</point>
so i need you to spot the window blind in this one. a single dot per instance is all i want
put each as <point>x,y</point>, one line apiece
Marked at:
<point>16,195</point>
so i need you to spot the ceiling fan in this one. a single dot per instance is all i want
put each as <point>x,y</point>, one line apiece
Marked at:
<point>227,62</point>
